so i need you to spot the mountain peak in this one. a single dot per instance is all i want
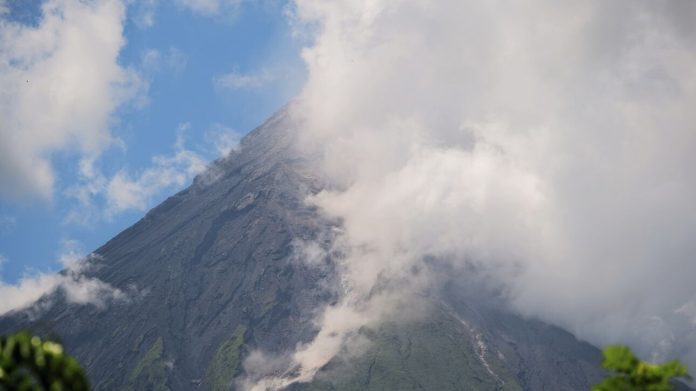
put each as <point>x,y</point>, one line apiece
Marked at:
<point>217,279</point>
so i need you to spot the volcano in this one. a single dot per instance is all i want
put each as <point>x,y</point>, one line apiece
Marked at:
<point>211,275</point>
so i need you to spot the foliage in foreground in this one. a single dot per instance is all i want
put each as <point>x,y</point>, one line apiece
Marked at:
<point>631,374</point>
<point>29,363</point>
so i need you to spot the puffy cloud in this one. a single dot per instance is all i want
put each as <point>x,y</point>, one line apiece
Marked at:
<point>548,143</point>
<point>60,82</point>
<point>73,281</point>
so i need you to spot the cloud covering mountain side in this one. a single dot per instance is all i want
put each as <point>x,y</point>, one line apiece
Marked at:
<point>550,143</point>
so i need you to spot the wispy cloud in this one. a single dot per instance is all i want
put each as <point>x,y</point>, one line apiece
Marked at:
<point>223,139</point>
<point>143,12</point>
<point>172,60</point>
<point>99,196</point>
<point>7,224</point>
<point>211,7</point>
<point>74,283</point>
<point>688,310</point>
<point>125,192</point>
<point>244,81</point>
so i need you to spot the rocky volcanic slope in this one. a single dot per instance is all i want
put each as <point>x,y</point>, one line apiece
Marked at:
<point>212,276</point>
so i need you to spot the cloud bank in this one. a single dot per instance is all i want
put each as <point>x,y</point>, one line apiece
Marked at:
<point>60,81</point>
<point>550,143</point>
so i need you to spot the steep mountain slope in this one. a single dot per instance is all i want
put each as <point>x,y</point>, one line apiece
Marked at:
<point>212,276</point>
<point>475,347</point>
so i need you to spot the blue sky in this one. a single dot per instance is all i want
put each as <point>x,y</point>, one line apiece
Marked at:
<point>200,74</point>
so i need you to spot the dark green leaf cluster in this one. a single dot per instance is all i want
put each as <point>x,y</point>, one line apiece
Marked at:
<point>631,374</point>
<point>29,363</point>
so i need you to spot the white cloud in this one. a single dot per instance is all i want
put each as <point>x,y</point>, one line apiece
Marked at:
<point>244,81</point>
<point>73,281</point>
<point>210,7</point>
<point>550,143</point>
<point>60,82</point>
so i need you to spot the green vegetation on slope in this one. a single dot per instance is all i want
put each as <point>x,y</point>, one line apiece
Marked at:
<point>151,371</point>
<point>225,364</point>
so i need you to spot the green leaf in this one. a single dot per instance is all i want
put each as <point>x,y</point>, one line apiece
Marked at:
<point>28,363</point>
<point>629,373</point>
